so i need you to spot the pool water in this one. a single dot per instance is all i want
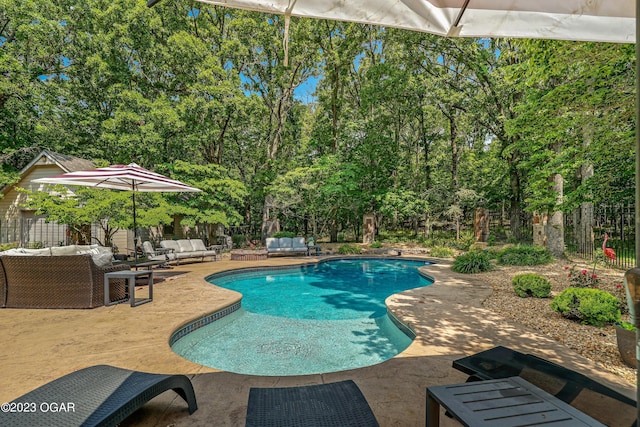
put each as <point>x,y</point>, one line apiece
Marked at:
<point>316,319</point>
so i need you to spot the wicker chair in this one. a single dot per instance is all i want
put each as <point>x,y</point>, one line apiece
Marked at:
<point>57,281</point>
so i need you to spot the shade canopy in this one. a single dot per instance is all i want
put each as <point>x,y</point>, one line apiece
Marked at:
<point>129,177</point>
<point>585,20</point>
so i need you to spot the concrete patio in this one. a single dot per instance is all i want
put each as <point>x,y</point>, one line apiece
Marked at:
<point>41,345</point>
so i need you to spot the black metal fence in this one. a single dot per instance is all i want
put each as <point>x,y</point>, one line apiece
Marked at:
<point>37,233</point>
<point>618,222</point>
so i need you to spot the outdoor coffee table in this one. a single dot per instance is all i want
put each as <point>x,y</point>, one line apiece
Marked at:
<point>130,277</point>
<point>509,401</point>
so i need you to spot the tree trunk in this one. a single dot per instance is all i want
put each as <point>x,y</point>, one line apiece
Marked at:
<point>584,223</point>
<point>555,225</point>
<point>515,221</point>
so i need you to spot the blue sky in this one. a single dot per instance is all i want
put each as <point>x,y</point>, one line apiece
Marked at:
<point>304,92</point>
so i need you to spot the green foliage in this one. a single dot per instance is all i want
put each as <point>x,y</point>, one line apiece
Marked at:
<point>628,326</point>
<point>284,234</point>
<point>7,246</point>
<point>218,202</point>
<point>530,284</point>
<point>239,240</point>
<point>525,255</point>
<point>588,306</point>
<point>472,262</point>
<point>349,250</point>
<point>441,252</point>
<point>582,278</point>
<point>375,245</point>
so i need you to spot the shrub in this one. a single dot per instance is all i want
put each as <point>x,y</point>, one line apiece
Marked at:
<point>376,245</point>
<point>349,250</point>
<point>525,255</point>
<point>472,262</point>
<point>531,285</point>
<point>628,326</point>
<point>582,278</point>
<point>441,252</point>
<point>239,240</point>
<point>588,306</point>
<point>284,234</point>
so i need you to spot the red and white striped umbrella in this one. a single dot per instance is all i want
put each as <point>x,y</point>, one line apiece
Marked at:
<point>129,177</point>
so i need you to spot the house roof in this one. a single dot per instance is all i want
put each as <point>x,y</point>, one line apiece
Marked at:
<point>66,162</point>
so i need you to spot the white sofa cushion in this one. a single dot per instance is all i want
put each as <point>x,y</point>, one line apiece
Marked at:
<point>299,244</point>
<point>184,245</point>
<point>63,250</point>
<point>198,245</point>
<point>170,244</point>
<point>272,243</point>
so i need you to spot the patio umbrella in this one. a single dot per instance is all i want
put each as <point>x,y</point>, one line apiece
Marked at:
<point>129,177</point>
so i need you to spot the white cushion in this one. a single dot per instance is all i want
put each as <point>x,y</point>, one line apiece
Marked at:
<point>104,256</point>
<point>38,252</point>
<point>298,243</point>
<point>184,245</point>
<point>272,243</point>
<point>63,250</point>
<point>198,245</point>
<point>15,251</point>
<point>285,243</point>
<point>170,244</point>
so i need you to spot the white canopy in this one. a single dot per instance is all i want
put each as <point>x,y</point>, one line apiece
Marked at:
<point>585,20</point>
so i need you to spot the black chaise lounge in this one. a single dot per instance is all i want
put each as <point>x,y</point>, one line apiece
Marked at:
<point>338,404</point>
<point>96,396</point>
<point>594,399</point>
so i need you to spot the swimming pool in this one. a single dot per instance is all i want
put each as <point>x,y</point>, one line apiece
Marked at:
<point>313,319</point>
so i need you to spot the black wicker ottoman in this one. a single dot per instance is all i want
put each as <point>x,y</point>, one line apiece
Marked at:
<point>338,404</point>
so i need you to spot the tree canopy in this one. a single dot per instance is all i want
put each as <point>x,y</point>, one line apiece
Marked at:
<point>406,125</point>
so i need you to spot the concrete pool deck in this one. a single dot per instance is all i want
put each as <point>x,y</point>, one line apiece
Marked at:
<point>41,345</point>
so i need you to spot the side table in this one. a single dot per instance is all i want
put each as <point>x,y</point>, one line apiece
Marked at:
<point>130,277</point>
<point>314,247</point>
<point>503,402</point>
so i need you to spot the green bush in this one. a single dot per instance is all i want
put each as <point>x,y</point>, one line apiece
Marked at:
<point>376,245</point>
<point>472,262</point>
<point>441,252</point>
<point>349,250</point>
<point>284,234</point>
<point>525,255</point>
<point>531,285</point>
<point>588,306</point>
<point>7,246</point>
<point>239,240</point>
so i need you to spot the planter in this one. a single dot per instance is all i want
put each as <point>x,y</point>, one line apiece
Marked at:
<point>627,346</point>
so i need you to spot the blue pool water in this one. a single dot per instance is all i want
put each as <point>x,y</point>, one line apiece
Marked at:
<point>322,318</point>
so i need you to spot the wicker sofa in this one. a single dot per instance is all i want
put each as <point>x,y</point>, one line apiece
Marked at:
<point>37,280</point>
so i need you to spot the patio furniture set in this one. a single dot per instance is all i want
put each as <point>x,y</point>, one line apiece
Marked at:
<point>83,276</point>
<point>500,392</point>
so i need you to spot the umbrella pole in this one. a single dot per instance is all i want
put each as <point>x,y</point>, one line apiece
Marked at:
<point>135,228</point>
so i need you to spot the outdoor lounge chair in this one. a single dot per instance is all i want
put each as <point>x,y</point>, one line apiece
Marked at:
<point>594,399</point>
<point>100,395</point>
<point>157,254</point>
<point>338,404</point>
